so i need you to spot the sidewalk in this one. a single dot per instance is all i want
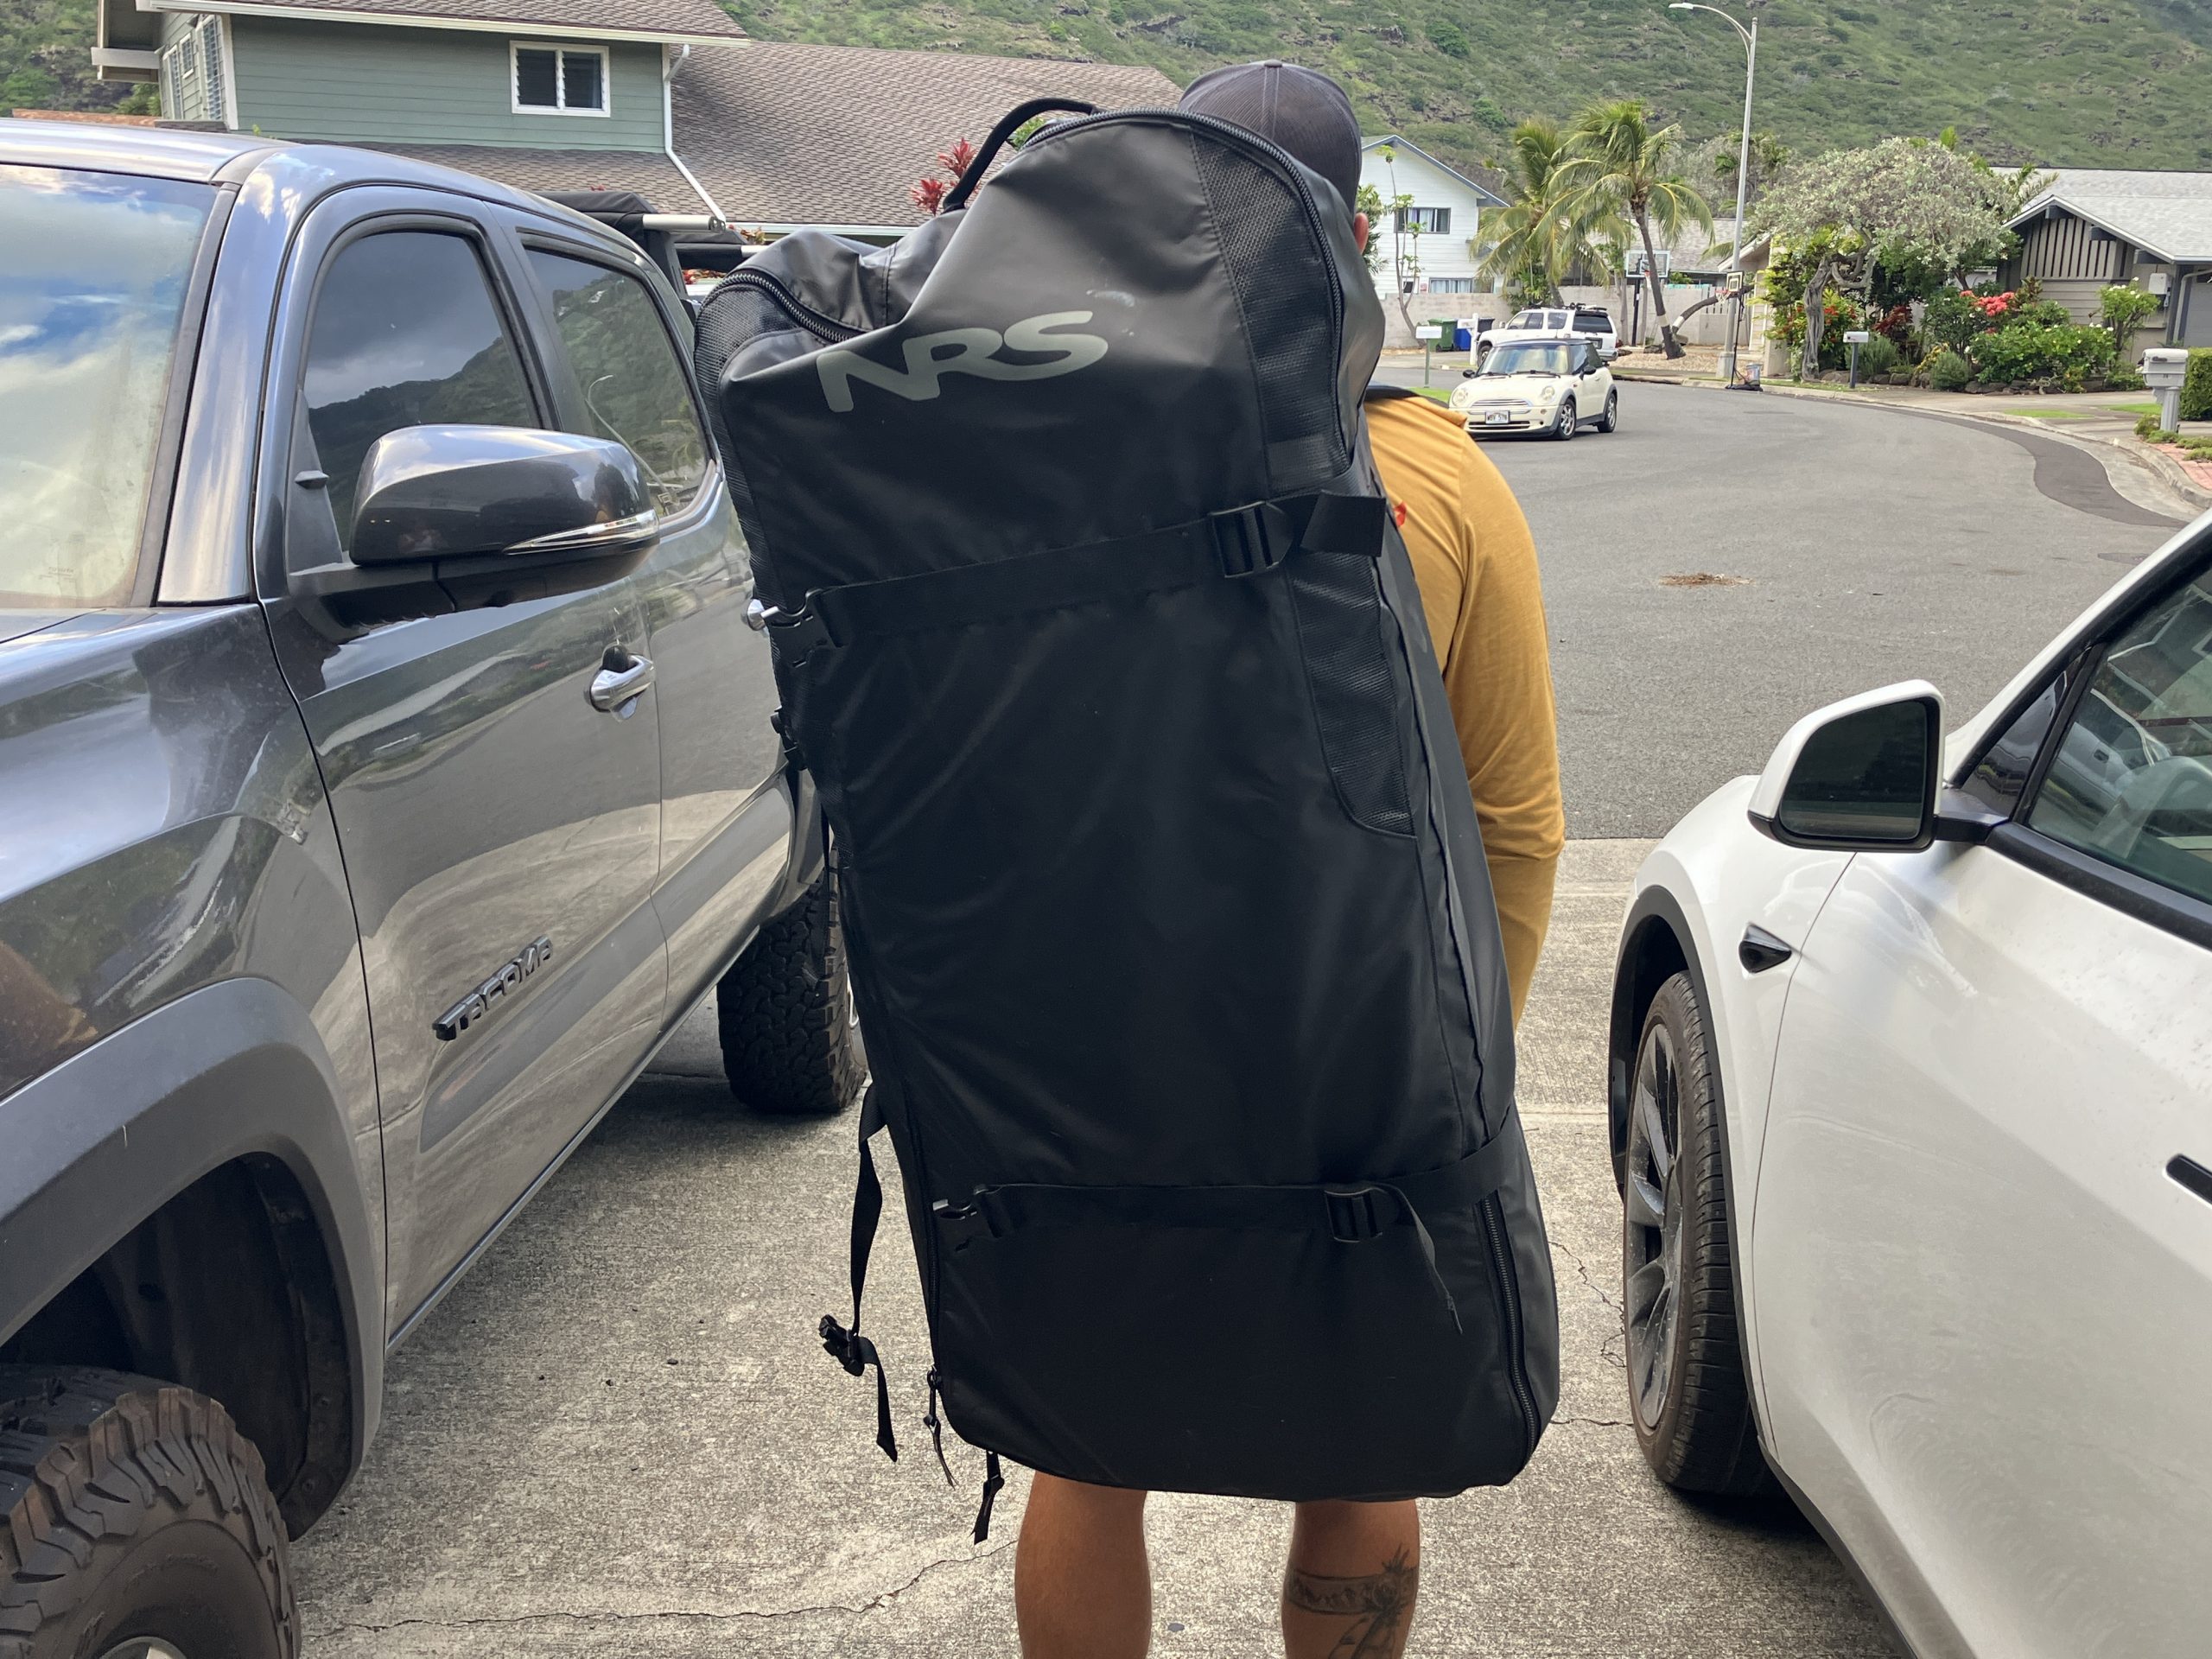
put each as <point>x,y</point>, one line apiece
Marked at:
<point>2104,418</point>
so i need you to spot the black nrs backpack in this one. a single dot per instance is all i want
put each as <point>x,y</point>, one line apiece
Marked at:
<point>1173,942</point>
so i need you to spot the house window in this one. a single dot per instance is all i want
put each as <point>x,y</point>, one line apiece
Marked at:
<point>1450,284</point>
<point>560,80</point>
<point>209,36</point>
<point>176,73</point>
<point>1426,221</point>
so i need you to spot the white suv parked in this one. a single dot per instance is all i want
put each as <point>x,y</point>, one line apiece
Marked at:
<point>1590,322</point>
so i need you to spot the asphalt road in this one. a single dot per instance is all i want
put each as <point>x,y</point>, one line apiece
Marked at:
<point>619,1436</point>
<point>1866,546</point>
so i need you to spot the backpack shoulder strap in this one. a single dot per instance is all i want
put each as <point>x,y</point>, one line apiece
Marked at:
<point>1381,391</point>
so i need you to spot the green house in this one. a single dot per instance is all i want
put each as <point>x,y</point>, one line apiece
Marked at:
<point>665,98</point>
<point>570,93</point>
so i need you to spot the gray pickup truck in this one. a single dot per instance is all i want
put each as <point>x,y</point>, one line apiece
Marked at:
<point>385,771</point>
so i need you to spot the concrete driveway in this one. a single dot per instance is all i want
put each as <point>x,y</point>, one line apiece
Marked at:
<point>618,1435</point>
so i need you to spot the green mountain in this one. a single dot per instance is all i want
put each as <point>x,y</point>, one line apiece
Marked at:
<point>2079,82</point>
<point>46,57</point>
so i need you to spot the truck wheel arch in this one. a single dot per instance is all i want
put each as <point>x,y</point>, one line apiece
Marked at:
<point>121,1152</point>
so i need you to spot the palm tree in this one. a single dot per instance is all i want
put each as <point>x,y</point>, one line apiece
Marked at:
<point>1541,235</point>
<point>1614,158</point>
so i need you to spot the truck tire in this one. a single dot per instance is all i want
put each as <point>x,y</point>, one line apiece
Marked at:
<point>1687,1394</point>
<point>790,1044</point>
<point>133,1512</point>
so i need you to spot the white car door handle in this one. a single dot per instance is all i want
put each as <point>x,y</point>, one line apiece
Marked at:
<point>619,683</point>
<point>1759,950</point>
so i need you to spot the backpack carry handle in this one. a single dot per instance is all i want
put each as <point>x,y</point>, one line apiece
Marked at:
<point>1009,124</point>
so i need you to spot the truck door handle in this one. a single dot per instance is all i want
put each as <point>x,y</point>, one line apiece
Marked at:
<point>622,677</point>
<point>2192,1175</point>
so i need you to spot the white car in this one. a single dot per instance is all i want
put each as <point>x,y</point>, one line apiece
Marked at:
<point>1590,323</point>
<point>1551,386</point>
<point>1911,1112</point>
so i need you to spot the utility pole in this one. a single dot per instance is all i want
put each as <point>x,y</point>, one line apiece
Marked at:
<point>1743,180</point>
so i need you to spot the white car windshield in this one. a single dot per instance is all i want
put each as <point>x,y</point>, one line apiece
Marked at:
<point>1532,356</point>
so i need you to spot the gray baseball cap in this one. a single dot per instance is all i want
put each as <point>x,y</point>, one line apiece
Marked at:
<point>1300,109</point>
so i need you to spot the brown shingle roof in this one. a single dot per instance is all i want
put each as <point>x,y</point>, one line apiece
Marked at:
<point>838,134</point>
<point>649,173</point>
<point>656,20</point>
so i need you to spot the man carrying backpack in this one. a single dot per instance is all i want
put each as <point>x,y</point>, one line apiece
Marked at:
<point>1081,1582</point>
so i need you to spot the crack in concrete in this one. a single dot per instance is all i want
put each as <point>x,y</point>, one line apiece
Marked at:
<point>1583,1273</point>
<point>1614,1349</point>
<point>610,1616</point>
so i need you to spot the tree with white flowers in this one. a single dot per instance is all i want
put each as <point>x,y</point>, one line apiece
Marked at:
<point>1904,199</point>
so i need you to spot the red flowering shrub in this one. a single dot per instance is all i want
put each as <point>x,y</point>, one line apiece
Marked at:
<point>929,191</point>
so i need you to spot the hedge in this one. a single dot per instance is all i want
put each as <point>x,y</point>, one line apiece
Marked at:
<point>2197,390</point>
<point>2032,349</point>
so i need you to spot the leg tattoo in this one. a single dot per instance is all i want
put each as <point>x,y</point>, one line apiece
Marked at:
<point>1376,1608</point>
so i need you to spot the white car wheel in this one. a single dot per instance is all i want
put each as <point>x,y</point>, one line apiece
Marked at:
<point>1686,1383</point>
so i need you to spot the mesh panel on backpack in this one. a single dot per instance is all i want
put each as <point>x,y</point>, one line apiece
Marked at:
<point>1340,634</point>
<point>1282,283</point>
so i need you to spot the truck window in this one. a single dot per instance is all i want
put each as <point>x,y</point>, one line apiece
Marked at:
<point>633,384</point>
<point>92,288</point>
<point>405,333</point>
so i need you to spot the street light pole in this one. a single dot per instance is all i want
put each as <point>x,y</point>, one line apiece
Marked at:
<point>1742,180</point>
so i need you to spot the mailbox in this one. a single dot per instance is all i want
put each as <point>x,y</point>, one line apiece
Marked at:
<point>2164,365</point>
<point>2164,368</point>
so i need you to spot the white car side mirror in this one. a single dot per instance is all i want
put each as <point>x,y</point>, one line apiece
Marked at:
<point>1861,775</point>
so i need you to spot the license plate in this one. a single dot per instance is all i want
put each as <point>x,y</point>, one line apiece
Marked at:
<point>1495,417</point>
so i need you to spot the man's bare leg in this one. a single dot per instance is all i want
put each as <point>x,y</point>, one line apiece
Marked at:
<point>1081,1585</point>
<point>1349,1591</point>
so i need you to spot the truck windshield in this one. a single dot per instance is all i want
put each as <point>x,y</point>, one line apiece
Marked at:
<point>91,291</point>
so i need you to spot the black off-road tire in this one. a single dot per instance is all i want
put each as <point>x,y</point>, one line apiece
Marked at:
<point>790,1045</point>
<point>1703,1437</point>
<point>1610,420</point>
<point>133,1509</point>
<point>1568,422</point>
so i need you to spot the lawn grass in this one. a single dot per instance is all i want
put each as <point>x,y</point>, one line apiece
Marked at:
<point>2053,414</point>
<point>2137,408</point>
<point>1438,393</point>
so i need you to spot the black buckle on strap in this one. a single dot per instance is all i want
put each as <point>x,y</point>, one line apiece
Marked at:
<point>798,632</point>
<point>849,1348</point>
<point>1355,1217</point>
<point>1249,540</point>
<point>963,1223</point>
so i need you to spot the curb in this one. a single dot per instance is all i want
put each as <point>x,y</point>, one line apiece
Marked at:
<point>2163,466</point>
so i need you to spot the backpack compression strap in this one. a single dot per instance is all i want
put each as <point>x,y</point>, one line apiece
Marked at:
<point>845,1344</point>
<point>1351,1212</point>
<point>1242,542</point>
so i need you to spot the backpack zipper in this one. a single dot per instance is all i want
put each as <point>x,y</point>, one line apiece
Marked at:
<point>1509,1290</point>
<point>822,326</point>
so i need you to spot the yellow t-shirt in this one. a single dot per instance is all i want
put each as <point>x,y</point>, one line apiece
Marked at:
<point>1475,564</point>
